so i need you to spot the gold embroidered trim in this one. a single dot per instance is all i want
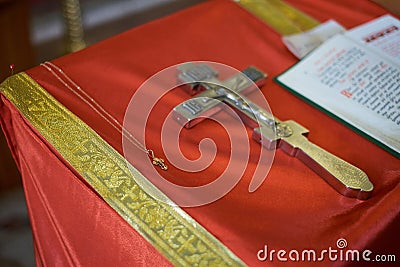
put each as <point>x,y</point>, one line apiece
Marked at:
<point>282,17</point>
<point>176,235</point>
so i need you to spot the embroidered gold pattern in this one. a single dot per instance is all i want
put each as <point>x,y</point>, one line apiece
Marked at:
<point>176,235</point>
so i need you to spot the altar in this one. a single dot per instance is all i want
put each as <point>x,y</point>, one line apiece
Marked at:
<point>88,207</point>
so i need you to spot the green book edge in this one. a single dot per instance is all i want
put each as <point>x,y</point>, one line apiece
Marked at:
<point>351,126</point>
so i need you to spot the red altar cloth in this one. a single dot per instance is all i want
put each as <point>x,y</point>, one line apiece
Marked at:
<point>293,209</point>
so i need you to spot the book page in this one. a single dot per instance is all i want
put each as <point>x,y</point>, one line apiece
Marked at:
<point>381,34</point>
<point>354,84</point>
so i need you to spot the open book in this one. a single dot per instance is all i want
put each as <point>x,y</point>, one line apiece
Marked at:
<point>355,76</point>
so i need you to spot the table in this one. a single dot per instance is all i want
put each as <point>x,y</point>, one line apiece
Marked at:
<point>294,209</point>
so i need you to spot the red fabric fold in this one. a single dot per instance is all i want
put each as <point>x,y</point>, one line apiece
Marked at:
<point>71,225</point>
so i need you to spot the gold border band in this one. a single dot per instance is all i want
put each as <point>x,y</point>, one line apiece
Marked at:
<point>282,17</point>
<point>177,236</point>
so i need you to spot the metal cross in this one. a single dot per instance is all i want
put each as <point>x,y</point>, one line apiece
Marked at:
<point>288,135</point>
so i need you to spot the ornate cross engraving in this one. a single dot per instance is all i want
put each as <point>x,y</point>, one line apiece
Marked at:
<point>289,136</point>
<point>194,110</point>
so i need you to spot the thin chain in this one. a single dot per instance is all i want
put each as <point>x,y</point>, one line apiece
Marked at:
<point>93,104</point>
<point>101,111</point>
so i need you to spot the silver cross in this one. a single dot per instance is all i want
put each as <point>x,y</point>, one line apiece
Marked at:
<point>289,136</point>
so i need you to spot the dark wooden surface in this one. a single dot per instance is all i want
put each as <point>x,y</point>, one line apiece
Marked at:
<point>15,45</point>
<point>15,48</point>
